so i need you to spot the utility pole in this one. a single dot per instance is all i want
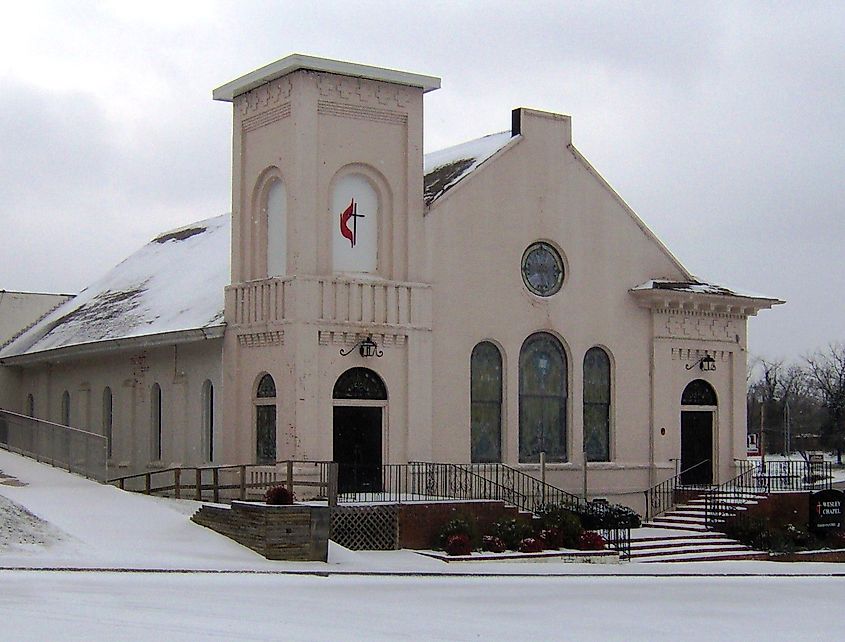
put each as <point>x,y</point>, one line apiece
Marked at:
<point>763,434</point>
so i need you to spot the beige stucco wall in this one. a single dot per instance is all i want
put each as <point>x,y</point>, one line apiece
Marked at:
<point>309,129</point>
<point>180,370</point>
<point>538,190</point>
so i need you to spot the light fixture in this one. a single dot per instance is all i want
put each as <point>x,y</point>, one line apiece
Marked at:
<point>366,348</point>
<point>706,363</point>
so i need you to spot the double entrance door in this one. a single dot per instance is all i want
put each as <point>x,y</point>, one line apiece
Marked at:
<point>358,449</point>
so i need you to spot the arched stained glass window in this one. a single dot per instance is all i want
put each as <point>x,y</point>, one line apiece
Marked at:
<point>155,422</point>
<point>542,399</point>
<point>597,405</point>
<point>265,420</point>
<point>266,388</point>
<point>359,383</point>
<point>486,403</point>
<point>699,393</point>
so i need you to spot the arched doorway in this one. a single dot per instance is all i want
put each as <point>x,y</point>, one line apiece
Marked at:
<point>360,398</point>
<point>698,407</point>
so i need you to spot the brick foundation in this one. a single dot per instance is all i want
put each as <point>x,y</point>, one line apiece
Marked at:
<point>421,523</point>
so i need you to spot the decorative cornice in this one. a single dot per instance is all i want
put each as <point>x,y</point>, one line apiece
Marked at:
<point>330,337</point>
<point>688,354</point>
<point>266,117</point>
<point>264,97</point>
<point>710,327</point>
<point>361,112</point>
<point>360,91</point>
<point>261,339</point>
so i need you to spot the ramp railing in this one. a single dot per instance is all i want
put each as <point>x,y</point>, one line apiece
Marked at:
<point>78,451</point>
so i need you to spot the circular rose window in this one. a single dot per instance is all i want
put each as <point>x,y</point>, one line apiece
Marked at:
<point>542,269</point>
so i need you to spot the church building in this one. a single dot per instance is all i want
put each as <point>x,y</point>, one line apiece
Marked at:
<point>366,303</point>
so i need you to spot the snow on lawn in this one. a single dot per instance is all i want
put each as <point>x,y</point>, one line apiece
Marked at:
<point>51,518</point>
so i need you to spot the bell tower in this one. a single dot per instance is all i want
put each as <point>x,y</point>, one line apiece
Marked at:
<point>328,249</point>
<point>312,139</point>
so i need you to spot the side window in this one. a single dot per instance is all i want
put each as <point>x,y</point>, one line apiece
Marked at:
<point>65,419</point>
<point>107,419</point>
<point>486,403</point>
<point>265,420</point>
<point>155,422</point>
<point>208,420</point>
<point>597,405</point>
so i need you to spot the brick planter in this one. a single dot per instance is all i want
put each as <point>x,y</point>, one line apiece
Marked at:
<point>295,532</point>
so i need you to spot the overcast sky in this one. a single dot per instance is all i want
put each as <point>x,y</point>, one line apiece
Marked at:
<point>721,124</point>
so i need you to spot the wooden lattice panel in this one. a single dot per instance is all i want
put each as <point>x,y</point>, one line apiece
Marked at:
<point>365,528</point>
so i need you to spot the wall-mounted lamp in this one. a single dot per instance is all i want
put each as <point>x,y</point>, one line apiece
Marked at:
<point>706,363</point>
<point>366,348</point>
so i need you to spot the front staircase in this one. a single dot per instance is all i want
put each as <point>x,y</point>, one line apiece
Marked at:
<point>682,534</point>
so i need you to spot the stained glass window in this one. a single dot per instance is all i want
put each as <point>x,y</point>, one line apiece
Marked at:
<point>265,420</point>
<point>542,399</point>
<point>266,387</point>
<point>359,383</point>
<point>699,393</point>
<point>597,405</point>
<point>486,403</point>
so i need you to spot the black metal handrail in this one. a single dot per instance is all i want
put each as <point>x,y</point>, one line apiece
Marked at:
<point>526,492</point>
<point>663,496</point>
<point>724,501</point>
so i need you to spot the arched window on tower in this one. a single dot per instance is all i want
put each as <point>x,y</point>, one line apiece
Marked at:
<point>597,405</point>
<point>265,420</point>
<point>155,422</point>
<point>275,209</point>
<point>355,225</point>
<point>486,403</point>
<point>543,393</point>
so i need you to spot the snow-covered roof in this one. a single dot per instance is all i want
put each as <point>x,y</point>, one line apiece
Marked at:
<point>444,168</point>
<point>699,287</point>
<point>174,283</point>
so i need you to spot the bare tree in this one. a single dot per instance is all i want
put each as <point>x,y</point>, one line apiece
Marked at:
<point>826,375</point>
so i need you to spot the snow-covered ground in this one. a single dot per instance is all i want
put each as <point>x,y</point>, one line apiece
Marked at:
<point>50,519</point>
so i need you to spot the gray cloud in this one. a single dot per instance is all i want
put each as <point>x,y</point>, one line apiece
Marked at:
<point>721,124</point>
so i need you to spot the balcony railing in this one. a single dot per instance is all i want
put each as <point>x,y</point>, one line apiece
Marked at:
<point>330,299</point>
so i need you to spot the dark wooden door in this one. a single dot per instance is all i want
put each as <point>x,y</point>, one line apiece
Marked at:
<point>696,447</point>
<point>357,448</point>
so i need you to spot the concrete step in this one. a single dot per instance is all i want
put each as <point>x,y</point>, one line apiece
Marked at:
<point>686,551</point>
<point>715,542</point>
<point>727,556</point>
<point>682,525</point>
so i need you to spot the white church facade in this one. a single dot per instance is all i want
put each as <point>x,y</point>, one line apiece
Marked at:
<point>367,304</point>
